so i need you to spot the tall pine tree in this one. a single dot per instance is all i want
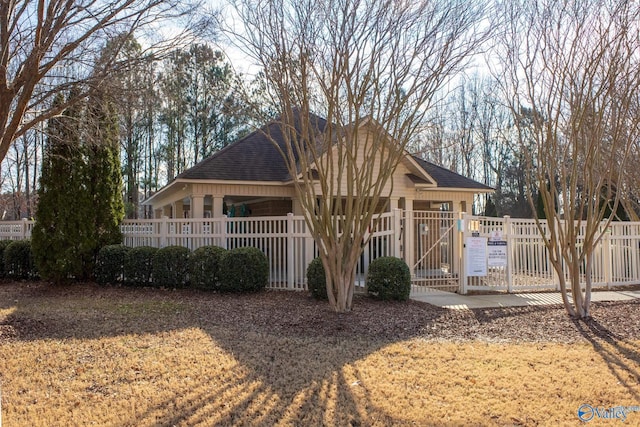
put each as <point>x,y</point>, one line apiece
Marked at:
<point>58,236</point>
<point>104,176</point>
<point>80,207</point>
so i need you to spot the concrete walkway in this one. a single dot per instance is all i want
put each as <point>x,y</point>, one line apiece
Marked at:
<point>461,302</point>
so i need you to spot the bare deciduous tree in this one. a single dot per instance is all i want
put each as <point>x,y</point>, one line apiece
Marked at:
<point>574,65</point>
<point>50,46</point>
<point>372,70</point>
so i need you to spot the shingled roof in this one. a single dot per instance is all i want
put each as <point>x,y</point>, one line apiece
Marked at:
<point>255,158</point>
<point>448,179</point>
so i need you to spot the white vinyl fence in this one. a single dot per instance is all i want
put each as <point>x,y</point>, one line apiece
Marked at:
<point>431,242</point>
<point>616,259</point>
<point>16,230</point>
<point>286,241</point>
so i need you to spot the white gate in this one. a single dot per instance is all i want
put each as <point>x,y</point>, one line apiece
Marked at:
<point>432,250</point>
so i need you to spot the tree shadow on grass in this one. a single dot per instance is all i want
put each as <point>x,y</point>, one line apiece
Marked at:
<point>295,357</point>
<point>621,356</point>
<point>293,360</point>
<point>323,397</point>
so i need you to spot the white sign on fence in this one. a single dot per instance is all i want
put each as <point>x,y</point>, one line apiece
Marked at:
<point>497,253</point>
<point>476,256</point>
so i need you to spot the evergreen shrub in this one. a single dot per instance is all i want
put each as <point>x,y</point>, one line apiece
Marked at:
<point>204,267</point>
<point>109,267</point>
<point>316,279</point>
<point>3,246</point>
<point>389,278</point>
<point>18,260</point>
<point>171,267</point>
<point>138,265</point>
<point>244,269</point>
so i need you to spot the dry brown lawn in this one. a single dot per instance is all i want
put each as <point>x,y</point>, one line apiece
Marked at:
<point>85,355</point>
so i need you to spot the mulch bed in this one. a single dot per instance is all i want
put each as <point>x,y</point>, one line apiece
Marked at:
<point>87,310</point>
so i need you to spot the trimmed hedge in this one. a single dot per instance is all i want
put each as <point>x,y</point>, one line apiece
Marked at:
<point>204,267</point>
<point>3,246</point>
<point>316,279</point>
<point>244,269</point>
<point>18,260</point>
<point>170,267</point>
<point>109,268</point>
<point>389,278</point>
<point>138,266</point>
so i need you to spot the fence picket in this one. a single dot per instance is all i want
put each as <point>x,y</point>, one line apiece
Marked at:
<point>429,241</point>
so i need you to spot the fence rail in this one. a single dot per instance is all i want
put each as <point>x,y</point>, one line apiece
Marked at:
<point>616,257</point>
<point>431,243</point>
<point>286,241</point>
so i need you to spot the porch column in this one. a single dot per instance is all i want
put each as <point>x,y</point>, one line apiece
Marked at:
<point>216,208</point>
<point>296,206</point>
<point>410,236</point>
<point>393,203</point>
<point>197,206</point>
<point>178,209</point>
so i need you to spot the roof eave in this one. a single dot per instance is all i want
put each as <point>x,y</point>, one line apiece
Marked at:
<point>184,181</point>
<point>459,189</point>
<point>409,158</point>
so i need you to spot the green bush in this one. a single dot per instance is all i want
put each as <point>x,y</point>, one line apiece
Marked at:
<point>244,270</point>
<point>138,265</point>
<point>316,279</point>
<point>109,268</point>
<point>171,267</point>
<point>3,246</point>
<point>204,267</point>
<point>18,260</point>
<point>389,278</point>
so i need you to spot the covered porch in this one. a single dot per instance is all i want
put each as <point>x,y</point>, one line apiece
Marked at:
<point>215,200</point>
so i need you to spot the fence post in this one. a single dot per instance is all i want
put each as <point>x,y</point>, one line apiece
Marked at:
<point>164,231</point>
<point>506,235</point>
<point>606,257</point>
<point>397,232</point>
<point>223,232</point>
<point>409,239</point>
<point>24,228</point>
<point>309,252</point>
<point>461,235</point>
<point>290,254</point>
<point>457,247</point>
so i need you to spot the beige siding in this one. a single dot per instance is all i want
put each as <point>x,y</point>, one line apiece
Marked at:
<point>402,185</point>
<point>403,188</point>
<point>256,190</point>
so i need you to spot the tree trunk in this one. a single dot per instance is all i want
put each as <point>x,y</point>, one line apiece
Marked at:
<point>340,272</point>
<point>576,292</point>
<point>588,284</point>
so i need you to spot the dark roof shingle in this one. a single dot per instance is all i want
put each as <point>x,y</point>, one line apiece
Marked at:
<point>255,158</point>
<point>252,158</point>
<point>449,179</point>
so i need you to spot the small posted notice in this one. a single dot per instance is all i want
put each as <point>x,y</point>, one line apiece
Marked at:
<point>497,253</point>
<point>476,256</point>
